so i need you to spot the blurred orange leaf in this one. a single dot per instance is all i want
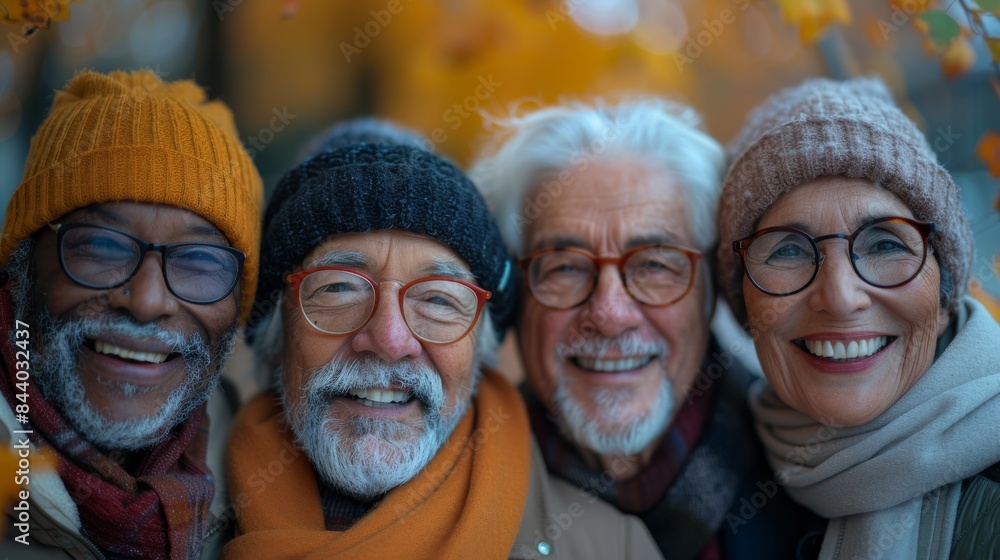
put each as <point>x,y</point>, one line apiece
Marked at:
<point>813,16</point>
<point>957,59</point>
<point>988,150</point>
<point>910,6</point>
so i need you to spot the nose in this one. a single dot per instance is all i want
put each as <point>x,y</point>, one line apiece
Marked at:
<point>146,296</point>
<point>837,289</point>
<point>386,335</point>
<point>611,311</point>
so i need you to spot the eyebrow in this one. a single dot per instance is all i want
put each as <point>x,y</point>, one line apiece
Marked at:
<point>447,267</point>
<point>546,243</point>
<point>661,238</point>
<point>664,238</point>
<point>117,220</point>
<point>347,259</point>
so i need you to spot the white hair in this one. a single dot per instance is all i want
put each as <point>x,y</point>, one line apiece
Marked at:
<point>663,134</point>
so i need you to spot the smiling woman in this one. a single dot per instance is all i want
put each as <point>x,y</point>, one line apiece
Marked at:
<point>846,251</point>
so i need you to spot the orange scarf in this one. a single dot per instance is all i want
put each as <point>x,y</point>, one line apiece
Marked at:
<point>467,503</point>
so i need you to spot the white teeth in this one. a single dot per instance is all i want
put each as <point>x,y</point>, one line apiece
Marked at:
<point>623,364</point>
<point>840,351</point>
<point>379,396</point>
<point>107,348</point>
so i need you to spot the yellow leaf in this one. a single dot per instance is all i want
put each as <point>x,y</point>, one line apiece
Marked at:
<point>37,13</point>
<point>813,16</point>
<point>988,150</point>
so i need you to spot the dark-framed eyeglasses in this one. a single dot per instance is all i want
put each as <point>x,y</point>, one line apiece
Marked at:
<point>105,258</point>
<point>656,275</point>
<point>341,301</point>
<point>886,253</point>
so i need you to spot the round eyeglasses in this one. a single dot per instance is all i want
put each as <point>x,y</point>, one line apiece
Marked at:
<point>565,277</point>
<point>339,301</point>
<point>105,258</point>
<point>885,253</point>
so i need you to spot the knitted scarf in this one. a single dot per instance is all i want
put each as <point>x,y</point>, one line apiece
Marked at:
<point>158,511</point>
<point>891,486</point>
<point>467,502</point>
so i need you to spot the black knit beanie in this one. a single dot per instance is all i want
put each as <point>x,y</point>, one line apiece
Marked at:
<point>368,187</point>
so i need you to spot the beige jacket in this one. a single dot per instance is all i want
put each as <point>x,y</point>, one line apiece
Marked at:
<point>563,521</point>
<point>54,519</point>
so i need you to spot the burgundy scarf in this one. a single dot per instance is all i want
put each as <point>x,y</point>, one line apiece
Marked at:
<point>160,511</point>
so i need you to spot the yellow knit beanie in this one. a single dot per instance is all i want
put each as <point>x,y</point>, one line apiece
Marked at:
<point>129,136</point>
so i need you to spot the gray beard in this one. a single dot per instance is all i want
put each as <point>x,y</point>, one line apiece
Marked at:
<point>609,434</point>
<point>366,457</point>
<point>58,346</point>
<point>607,431</point>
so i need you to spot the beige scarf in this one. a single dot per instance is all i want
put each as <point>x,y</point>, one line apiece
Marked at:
<point>891,487</point>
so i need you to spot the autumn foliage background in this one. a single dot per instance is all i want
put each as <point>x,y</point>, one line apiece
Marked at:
<point>444,67</point>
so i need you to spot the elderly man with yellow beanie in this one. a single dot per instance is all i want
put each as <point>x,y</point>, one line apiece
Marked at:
<point>129,257</point>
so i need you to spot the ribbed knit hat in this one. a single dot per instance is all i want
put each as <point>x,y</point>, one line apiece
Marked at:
<point>128,136</point>
<point>824,128</point>
<point>368,187</point>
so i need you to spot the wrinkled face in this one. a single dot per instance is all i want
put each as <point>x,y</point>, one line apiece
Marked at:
<point>125,365</point>
<point>372,408</point>
<point>888,335</point>
<point>613,370</point>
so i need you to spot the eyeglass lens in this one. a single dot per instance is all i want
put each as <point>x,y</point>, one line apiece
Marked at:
<point>654,276</point>
<point>340,302</point>
<point>101,258</point>
<point>885,253</point>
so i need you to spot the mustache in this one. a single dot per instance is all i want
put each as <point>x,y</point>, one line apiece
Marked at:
<point>192,347</point>
<point>597,346</point>
<point>342,375</point>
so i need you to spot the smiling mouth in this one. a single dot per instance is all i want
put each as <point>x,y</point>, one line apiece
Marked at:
<point>612,366</point>
<point>128,354</point>
<point>838,351</point>
<point>379,398</point>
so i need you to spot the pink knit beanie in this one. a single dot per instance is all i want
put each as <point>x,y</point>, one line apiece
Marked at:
<point>826,128</point>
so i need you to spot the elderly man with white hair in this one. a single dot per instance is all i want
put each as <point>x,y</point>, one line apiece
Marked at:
<point>389,288</point>
<point>611,209</point>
